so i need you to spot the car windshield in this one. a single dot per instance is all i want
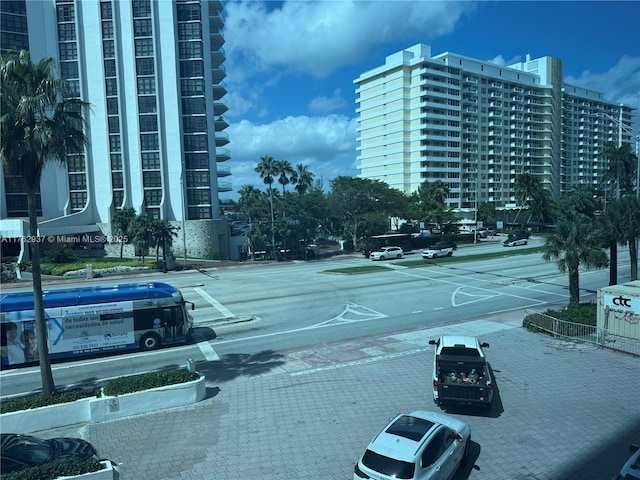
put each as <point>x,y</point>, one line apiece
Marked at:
<point>388,466</point>
<point>31,451</point>
<point>460,352</point>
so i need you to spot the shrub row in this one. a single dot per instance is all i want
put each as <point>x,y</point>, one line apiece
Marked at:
<point>117,386</point>
<point>50,471</point>
<point>583,314</point>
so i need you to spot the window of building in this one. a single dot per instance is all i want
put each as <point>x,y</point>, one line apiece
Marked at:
<point>198,179</point>
<point>197,160</point>
<point>75,163</point>
<point>117,180</point>
<point>116,161</point>
<point>141,8</point>
<point>144,66</point>
<point>108,49</point>
<point>144,47</point>
<point>150,160</point>
<point>148,123</point>
<point>194,68</point>
<point>195,143</point>
<point>107,29</point>
<point>191,49</point>
<point>147,104</point>
<point>151,179</point>
<point>77,181</point>
<point>189,11</point>
<point>189,31</point>
<point>106,11</point>
<point>114,143</point>
<point>112,106</point>
<point>111,87</point>
<point>66,32</point>
<point>118,198</point>
<point>68,51</point>
<point>193,105</point>
<point>199,213</point>
<point>147,86</point>
<point>69,69</point>
<point>194,124</point>
<point>192,86</point>
<point>142,28</point>
<point>65,12</point>
<point>201,196</point>
<point>153,197</point>
<point>109,68</point>
<point>114,124</point>
<point>149,141</point>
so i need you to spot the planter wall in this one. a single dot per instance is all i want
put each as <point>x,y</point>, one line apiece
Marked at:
<point>107,473</point>
<point>104,408</point>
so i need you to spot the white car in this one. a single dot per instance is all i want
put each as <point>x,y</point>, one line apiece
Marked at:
<point>514,242</point>
<point>386,252</point>
<point>419,446</point>
<point>436,251</point>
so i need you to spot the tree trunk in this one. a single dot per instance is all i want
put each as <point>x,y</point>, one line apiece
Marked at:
<point>48,387</point>
<point>273,233</point>
<point>574,286</point>
<point>121,247</point>
<point>633,256</point>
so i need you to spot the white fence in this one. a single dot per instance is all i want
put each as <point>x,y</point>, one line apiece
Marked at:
<point>583,333</point>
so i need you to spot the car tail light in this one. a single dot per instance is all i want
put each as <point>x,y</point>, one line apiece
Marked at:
<point>489,386</point>
<point>359,472</point>
<point>435,383</point>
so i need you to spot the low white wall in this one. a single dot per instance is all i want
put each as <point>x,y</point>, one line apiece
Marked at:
<point>107,473</point>
<point>104,408</point>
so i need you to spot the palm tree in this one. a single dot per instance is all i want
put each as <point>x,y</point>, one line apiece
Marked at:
<point>622,165</point>
<point>284,171</point>
<point>575,241</point>
<point>621,224</point>
<point>526,187</point>
<point>249,200</point>
<point>267,169</point>
<point>36,127</point>
<point>143,233</point>
<point>302,178</point>
<point>121,220</point>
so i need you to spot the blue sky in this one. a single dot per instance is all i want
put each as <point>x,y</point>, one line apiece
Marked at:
<point>291,64</point>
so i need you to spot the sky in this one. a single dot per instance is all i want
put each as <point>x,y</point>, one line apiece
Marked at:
<point>291,64</point>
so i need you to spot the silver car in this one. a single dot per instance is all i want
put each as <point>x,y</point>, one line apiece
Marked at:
<point>386,252</point>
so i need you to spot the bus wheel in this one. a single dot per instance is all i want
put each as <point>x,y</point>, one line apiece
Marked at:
<point>150,341</point>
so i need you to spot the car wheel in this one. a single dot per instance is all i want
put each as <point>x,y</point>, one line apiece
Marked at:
<point>435,255</point>
<point>398,256</point>
<point>525,242</point>
<point>449,254</point>
<point>150,341</point>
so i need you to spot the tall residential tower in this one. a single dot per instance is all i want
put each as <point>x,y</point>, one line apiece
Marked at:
<point>153,73</point>
<point>476,126</point>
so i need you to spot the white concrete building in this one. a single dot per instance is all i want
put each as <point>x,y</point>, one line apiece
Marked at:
<point>153,73</point>
<point>476,126</point>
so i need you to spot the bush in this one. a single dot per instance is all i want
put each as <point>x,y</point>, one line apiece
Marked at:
<point>146,381</point>
<point>51,471</point>
<point>37,401</point>
<point>57,254</point>
<point>583,314</point>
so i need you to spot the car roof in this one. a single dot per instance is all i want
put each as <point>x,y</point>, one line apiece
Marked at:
<point>402,438</point>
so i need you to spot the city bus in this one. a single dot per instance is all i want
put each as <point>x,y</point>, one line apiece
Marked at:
<point>93,321</point>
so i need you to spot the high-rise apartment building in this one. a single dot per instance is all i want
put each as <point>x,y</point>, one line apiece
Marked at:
<point>476,126</point>
<point>153,73</point>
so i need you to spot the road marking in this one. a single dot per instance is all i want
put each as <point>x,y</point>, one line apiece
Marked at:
<point>217,305</point>
<point>206,348</point>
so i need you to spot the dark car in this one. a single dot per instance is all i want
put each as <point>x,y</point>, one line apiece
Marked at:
<point>516,238</point>
<point>446,244</point>
<point>24,451</point>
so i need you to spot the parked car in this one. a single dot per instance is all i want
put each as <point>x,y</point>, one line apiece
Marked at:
<point>420,445</point>
<point>631,469</point>
<point>436,251</point>
<point>384,253</point>
<point>23,451</point>
<point>446,244</point>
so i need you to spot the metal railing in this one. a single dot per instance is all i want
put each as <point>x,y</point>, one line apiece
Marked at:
<point>578,332</point>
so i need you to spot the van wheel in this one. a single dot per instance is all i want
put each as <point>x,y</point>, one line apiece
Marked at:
<point>449,254</point>
<point>150,341</point>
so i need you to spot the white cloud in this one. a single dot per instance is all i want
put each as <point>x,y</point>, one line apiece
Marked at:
<point>318,38</point>
<point>325,144</point>
<point>499,60</point>
<point>324,104</point>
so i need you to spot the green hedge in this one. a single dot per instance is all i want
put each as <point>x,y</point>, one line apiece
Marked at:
<point>117,386</point>
<point>583,314</point>
<point>51,471</point>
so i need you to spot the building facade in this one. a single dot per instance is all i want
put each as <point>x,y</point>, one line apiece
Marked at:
<point>477,126</point>
<point>153,73</point>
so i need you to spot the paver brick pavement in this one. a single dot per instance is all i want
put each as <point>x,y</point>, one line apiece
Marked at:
<point>561,411</point>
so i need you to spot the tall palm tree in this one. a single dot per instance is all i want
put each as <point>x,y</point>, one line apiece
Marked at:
<point>575,242</point>
<point>36,127</point>
<point>302,178</point>
<point>621,224</point>
<point>267,169</point>
<point>285,172</point>
<point>121,220</point>
<point>249,200</point>
<point>526,187</point>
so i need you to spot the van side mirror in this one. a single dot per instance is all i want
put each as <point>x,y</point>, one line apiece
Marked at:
<point>484,344</point>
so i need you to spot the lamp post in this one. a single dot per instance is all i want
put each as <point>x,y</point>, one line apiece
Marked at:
<point>184,231</point>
